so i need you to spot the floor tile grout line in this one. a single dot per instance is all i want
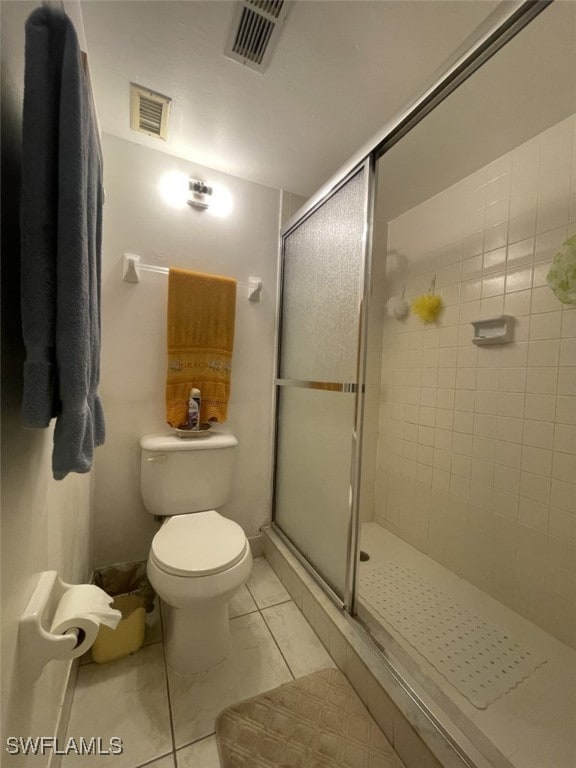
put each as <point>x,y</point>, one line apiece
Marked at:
<point>283,587</point>
<point>168,695</point>
<point>263,608</point>
<point>213,733</point>
<point>155,759</point>
<point>283,602</point>
<point>313,630</point>
<point>248,613</point>
<point>196,741</point>
<point>250,593</point>
<point>273,605</point>
<point>259,610</point>
<point>276,641</point>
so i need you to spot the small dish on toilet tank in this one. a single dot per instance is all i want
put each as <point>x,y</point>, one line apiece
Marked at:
<point>204,430</point>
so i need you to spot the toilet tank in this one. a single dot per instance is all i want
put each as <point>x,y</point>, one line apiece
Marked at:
<point>192,475</point>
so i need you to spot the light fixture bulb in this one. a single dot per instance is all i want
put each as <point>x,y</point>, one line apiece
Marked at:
<point>174,189</point>
<point>221,202</point>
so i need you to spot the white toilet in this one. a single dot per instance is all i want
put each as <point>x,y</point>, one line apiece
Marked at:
<point>198,559</point>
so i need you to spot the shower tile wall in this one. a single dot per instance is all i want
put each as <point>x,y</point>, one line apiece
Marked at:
<point>477,446</point>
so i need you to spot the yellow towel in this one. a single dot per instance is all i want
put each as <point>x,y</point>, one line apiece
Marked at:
<point>201,314</point>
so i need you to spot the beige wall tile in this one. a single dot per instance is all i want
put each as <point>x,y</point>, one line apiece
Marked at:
<point>381,707</point>
<point>493,427</point>
<point>411,749</point>
<point>559,618</point>
<point>357,673</point>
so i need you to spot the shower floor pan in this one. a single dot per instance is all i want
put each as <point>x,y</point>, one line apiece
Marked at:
<point>514,681</point>
<point>481,660</point>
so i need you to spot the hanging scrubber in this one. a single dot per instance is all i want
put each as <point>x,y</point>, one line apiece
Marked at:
<point>428,306</point>
<point>562,275</point>
<point>397,306</point>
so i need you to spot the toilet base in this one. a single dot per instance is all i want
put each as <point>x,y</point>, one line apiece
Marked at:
<point>196,640</point>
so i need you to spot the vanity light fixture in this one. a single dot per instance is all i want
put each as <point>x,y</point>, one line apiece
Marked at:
<point>198,193</point>
<point>179,190</point>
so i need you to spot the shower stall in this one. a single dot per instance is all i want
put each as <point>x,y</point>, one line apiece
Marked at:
<point>448,462</point>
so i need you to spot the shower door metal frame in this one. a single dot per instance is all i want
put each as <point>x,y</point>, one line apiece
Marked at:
<point>496,31</point>
<point>367,166</point>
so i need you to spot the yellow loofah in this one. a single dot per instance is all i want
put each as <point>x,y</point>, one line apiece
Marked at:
<point>427,307</point>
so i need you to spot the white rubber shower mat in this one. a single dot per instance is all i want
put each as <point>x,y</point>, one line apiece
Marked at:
<point>481,660</point>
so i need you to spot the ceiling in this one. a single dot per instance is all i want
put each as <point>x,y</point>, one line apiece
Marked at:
<point>527,87</point>
<point>340,72</point>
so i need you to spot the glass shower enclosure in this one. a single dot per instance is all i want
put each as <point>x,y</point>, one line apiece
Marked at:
<point>451,464</point>
<point>320,379</point>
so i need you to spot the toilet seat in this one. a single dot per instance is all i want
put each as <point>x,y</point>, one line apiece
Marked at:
<point>198,544</point>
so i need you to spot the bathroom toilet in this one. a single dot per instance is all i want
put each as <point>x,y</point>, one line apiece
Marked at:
<point>198,558</point>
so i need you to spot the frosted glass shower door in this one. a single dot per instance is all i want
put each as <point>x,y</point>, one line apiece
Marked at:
<point>323,283</point>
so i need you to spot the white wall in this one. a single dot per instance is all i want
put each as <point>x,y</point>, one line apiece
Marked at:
<point>245,243</point>
<point>45,524</point>
<point>477,452</point>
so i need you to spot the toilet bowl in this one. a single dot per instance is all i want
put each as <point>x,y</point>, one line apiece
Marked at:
<point>198,558</point>
<point>196,564</point>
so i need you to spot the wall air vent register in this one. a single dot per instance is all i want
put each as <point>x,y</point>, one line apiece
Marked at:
<point>254,32</point>
<point>149,111</point>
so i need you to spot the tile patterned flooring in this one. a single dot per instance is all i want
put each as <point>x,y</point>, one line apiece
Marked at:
<point>167,721</point>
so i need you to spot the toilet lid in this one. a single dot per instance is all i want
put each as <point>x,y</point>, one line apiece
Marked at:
<point>198,544</point>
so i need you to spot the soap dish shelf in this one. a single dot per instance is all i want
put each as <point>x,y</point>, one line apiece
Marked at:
<point>493,330</point>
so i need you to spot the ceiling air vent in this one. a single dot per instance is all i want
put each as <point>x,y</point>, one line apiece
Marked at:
<point>255,29</point>
<point>149,111</point>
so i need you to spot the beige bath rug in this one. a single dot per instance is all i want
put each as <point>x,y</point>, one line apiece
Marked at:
<point>316,721</point>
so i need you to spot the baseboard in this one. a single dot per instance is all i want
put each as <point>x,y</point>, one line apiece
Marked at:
<point>257,545</point>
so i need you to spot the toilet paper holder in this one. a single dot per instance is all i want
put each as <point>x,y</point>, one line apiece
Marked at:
<point>38,645</point>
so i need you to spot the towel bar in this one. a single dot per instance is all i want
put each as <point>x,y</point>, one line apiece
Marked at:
<point>132,265</point>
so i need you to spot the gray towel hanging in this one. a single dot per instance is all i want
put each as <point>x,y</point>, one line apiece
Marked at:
<point>61,223</point>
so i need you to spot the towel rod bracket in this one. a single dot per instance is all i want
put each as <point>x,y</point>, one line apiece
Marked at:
<point>254,288</point>
<point>131,268</point>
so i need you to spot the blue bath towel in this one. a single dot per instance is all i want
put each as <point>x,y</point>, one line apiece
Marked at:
<point>61,223</point>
